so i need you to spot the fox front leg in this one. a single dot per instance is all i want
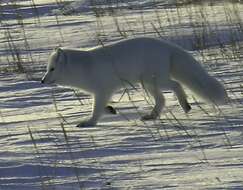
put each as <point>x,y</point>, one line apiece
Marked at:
<point>100,102</point>
<point>181,95</point>
<point>159,101</point>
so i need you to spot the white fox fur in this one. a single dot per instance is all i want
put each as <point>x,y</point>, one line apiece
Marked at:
<point>156,64</point>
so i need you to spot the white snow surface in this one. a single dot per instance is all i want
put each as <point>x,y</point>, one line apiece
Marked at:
<point>40,147</point>
<point>87,5</point>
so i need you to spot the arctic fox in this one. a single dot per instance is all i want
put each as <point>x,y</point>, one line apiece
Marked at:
<point>156,64</point>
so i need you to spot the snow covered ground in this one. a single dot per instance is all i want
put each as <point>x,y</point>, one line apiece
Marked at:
<point>40,148</point>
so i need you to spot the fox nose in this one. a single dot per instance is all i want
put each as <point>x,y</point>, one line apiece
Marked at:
<point>42,81</point>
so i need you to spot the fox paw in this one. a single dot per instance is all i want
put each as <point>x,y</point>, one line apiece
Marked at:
<point>86,123</point>
<point>110,110</point>
<point>148,117</point>
<point>187,108</point>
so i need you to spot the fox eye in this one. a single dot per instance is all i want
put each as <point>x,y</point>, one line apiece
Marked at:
<point>52,69</point>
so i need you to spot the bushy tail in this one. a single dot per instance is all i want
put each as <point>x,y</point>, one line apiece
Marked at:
<point>186,70</point>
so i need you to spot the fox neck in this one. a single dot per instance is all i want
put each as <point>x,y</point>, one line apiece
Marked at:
<point>76,77</point>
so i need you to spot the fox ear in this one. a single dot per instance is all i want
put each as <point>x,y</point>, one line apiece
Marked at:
<point>58,50</point>
<point>61,56</point>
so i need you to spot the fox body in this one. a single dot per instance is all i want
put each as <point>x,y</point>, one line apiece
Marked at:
<point>156,64</point>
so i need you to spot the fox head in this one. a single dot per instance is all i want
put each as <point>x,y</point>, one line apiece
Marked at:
<point>54,73</point>
<point>217,92</point>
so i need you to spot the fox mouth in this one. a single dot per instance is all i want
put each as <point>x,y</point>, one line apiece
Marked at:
<point>43,81</point>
